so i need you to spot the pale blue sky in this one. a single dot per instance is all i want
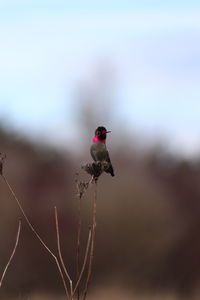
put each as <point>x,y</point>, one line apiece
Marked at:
<point>97,6</point>
<point>48,47</point>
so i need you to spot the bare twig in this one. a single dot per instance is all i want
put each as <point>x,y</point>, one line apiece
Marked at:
<point>78,245</point>
<point>60,253</point>
<point>12,254</point>
<point>36,234</point>
<point>82,186</point>
<point>84,262</point>
<point>92,242</point>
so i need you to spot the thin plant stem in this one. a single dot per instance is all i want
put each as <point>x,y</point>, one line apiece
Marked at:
<point>60,253</point>
<point>36,234</point>
<point>92,242</point>
<point>84,262</point>
<point>78,246</point>
<point>12,254</point>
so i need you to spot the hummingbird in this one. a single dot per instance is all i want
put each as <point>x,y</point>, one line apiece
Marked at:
<point>98,149</point>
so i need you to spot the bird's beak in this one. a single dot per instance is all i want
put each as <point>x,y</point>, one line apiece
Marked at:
<point>108,131</point>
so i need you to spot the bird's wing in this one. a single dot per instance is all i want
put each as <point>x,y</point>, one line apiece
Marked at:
<point>110,168</point>
<point>108,157</point>
<point>93,153</point>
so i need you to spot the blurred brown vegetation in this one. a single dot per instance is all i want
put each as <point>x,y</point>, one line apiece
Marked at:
<point>148,215</point>
<point>147,226</point>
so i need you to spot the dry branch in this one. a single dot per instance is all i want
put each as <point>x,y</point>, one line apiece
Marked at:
<point>92,242</point>
<point>84,262</point>
<point>60,252</point>
<point>78,245</point>
<point>12,254</point>
<point>36,234</point>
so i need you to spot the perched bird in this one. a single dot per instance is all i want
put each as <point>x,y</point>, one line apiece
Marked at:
<point>98,149</point>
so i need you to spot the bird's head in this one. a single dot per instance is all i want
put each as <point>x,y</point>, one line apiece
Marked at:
<point>101,133</point>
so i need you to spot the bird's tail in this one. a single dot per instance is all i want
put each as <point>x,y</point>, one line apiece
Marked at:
<point>110,170</point>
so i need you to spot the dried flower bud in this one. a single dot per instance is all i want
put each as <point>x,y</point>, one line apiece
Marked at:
<point>96,168</point>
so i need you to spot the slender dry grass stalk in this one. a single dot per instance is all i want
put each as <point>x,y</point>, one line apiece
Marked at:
<point>92,242</point>
<point>78,246</point>
<point>84,262</point>
<point>60,253</point>
<point>81,188</point>
<point>12,254</point>
<point>36,234</point>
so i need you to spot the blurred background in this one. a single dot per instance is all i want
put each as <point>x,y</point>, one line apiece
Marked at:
<point>133,67</point>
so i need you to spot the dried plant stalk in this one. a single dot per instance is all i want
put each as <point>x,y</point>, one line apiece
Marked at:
<point>36,234</point>
<point>12,254</point>
<point>95,171</point>
<point>84,262</point>
<point>60,253</point>
<point>78,246</point>
<point>92,242</point>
